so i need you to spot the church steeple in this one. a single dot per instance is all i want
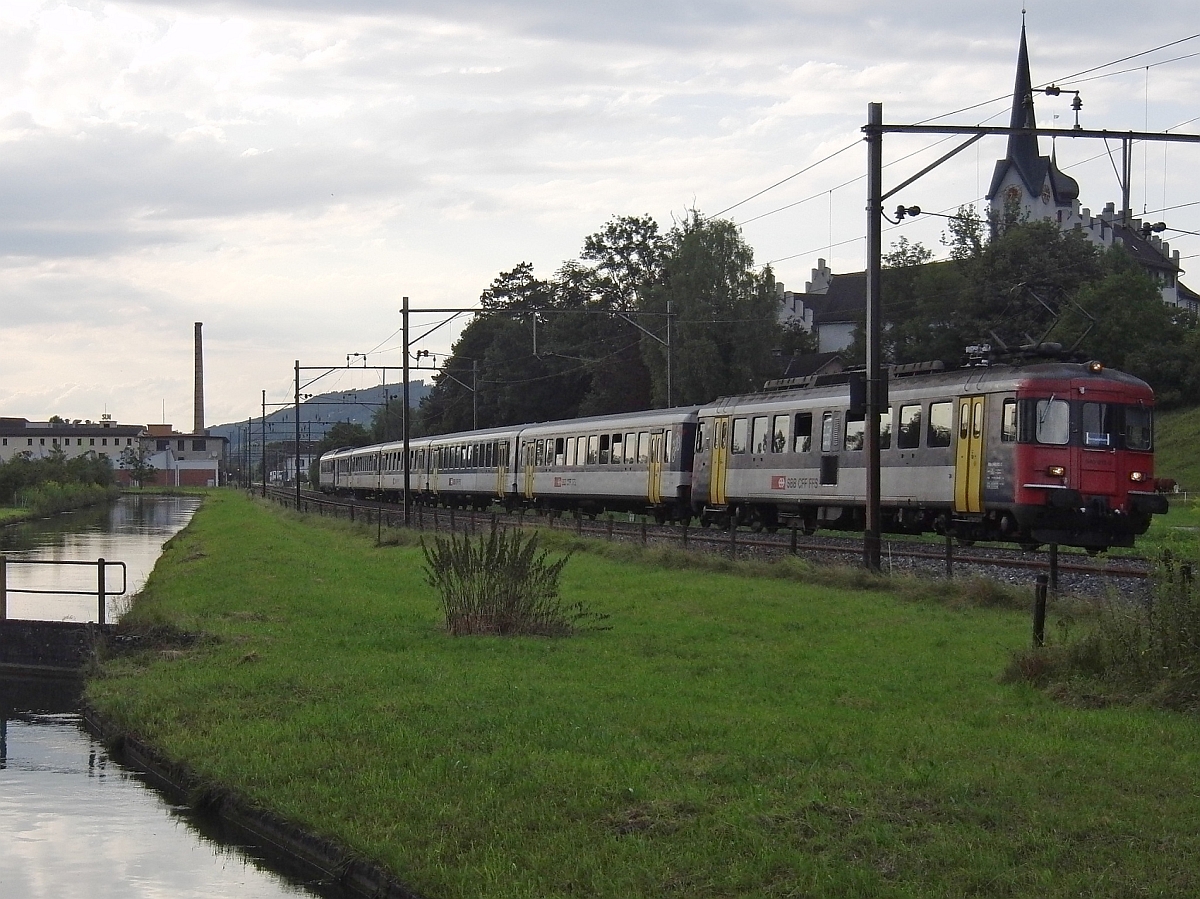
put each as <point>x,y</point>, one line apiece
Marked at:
<point>1023,148</point>
<point>1025,177</point>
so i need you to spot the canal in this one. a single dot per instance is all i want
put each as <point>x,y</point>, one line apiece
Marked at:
<point>74,822</point>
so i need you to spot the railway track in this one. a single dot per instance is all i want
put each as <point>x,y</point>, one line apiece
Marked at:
<point>1070,571</point>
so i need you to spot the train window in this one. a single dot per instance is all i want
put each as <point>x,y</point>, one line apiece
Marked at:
<point>1053,422</point>
<point>885,428</point>
<point>580,450</point>
<point>779,433</point>
<point>760,436</point>
<point>739,436</point>
<point>604,438</point>
<point>643,448</point>
<point>701,434</point>
<point>1008,422</point>
<point>1138,427</point>
<point>618,454</point>
<point>908,435</point>
<point>570,450</point>
<point>977,419</point>
<point>593,448</point>
<point>941,424</point>
<point>539,453</point>
<point>964,418</point>
<point>630,448</point>
<point>827,432</point>
<point>1097,424</point>
<point>856,429</point>
<point>560,452</point>
<point>668,446</point>
<point>803,432</point>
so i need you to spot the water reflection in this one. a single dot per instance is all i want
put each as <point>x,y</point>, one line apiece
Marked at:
<point>131,530</point>
<point>76,824</point>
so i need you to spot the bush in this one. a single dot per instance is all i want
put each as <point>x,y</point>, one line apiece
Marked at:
<point>500,584</point>
<point>50,497</point>
<point>1148,653</point>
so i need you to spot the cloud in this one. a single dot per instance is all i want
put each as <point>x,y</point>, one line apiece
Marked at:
<point>284,171</point>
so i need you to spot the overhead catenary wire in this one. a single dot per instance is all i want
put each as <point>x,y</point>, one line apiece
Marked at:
<point>1073,78</point>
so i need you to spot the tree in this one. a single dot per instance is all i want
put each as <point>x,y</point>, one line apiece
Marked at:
<point>136,460</point>
<point>725,323</point>
<point>343,433</point>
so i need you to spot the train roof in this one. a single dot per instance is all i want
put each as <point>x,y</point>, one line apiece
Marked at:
<point>923,379</point>
<point>647,417</point>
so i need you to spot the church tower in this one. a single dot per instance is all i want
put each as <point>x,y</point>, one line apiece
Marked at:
<point>1027,186</point>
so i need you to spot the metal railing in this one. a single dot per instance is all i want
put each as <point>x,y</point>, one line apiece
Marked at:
<point>101,592</point>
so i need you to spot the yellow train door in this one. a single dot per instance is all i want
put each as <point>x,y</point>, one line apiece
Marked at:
<point>501,467</point>
<point>528,460</point>
<point>654,479</point>
<point>968,456</point>
<point>720,461</point>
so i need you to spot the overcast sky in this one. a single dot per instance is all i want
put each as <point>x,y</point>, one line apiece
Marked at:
<point>285,171</point>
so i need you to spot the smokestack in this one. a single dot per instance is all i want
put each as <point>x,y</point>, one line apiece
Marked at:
<point>198,424</point>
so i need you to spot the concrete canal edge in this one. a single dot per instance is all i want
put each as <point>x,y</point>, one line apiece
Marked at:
<point>48,649</point>
<point>291,847</point>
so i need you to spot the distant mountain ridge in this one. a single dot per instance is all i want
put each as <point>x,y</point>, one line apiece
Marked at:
<point>321,412</point>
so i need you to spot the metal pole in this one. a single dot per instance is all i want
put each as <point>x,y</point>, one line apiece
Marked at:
<point>1039,611</point>
<point>297,435</point>
<point>475,394</point>
<point>3,588</point>
<point>1126,171</point>
<point>100,588</point>
<point>1054,567</point>
<point>874,138</point>
<point>670,403</point>
<point>263,434</point>
<point>249,449</point>
<point>404,418</point>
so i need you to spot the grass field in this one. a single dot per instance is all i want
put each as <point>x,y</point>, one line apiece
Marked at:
<point>729,736</point>
<point>1177,436</point>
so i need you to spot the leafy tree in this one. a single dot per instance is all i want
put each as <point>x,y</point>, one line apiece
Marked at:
<point>725,315</point>
<point>343,433</point>
<point>136,460</point>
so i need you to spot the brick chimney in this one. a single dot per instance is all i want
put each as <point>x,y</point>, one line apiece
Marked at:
<point>198,424</point>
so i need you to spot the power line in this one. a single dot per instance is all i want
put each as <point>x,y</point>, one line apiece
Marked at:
<point>788,178</point>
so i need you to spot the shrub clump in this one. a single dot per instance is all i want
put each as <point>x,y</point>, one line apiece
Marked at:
<point>501,584</point>
<point>1145,653</point>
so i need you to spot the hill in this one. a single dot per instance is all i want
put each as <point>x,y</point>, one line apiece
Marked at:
<point>321,412</point>
<point>1177,439</point>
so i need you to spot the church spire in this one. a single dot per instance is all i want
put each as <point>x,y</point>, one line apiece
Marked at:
<point>1023,148</point>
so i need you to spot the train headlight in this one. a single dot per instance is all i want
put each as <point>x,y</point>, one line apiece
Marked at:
<point>1095,367</point>
<point>1056,471</point>
<point>1137,476</point>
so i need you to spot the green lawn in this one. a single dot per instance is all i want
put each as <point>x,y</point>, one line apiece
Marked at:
<point>729,736</point>
<point>8,513</point>
<point>1177,435</point>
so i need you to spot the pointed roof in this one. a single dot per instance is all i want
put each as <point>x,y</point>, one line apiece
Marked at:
<point>1023,150</point>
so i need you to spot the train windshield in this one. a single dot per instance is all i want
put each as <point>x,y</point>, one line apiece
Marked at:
<point>1098,425</point>
<point>1053,422</point>
<point>1139,426</point>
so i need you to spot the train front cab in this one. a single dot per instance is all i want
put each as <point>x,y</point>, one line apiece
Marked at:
<point>1082,463</point>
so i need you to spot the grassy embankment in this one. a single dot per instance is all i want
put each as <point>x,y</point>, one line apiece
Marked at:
<point>47,499</point>
<point>1177,436</point>
<point>730,736</point>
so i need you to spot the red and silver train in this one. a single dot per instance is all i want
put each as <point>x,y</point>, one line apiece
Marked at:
<point>1053,452</point>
